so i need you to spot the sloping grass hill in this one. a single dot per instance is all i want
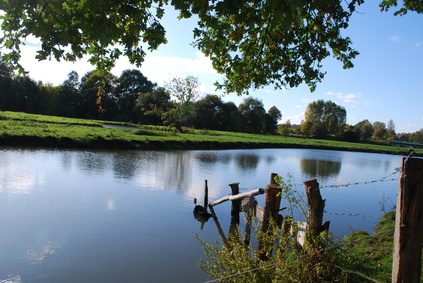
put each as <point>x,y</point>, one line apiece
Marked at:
<point>22,129</point>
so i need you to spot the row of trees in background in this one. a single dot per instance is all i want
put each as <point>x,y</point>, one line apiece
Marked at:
<point>364,131</point>
<point>133,98</point>
<point>326,119</point>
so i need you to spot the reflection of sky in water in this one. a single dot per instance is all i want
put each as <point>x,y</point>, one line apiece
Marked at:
<point>12,279</point>
<point>110,205</point>
<point>38,254</point>
<point>16,177</point>
<point>15,182</point>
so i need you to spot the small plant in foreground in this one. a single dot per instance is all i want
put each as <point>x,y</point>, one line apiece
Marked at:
<point>234,261</point>
<point>359,258</point>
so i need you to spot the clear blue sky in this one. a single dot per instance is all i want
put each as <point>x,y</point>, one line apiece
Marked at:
<point>386,82</point>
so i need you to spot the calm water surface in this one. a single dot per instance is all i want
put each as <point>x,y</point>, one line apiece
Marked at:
<point>126,216</point>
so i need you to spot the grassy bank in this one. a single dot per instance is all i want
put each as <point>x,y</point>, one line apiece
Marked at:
<point>18,128</point>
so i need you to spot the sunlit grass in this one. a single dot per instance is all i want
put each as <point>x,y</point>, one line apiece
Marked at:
<point>18,127</point>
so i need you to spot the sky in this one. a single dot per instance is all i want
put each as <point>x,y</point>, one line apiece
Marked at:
<point>386,81</point>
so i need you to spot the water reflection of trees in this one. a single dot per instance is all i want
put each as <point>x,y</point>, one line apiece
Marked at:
<point>92,162</point>
<point>247,161</point>
<point>320,168</point>
<point>211,158</point>
<point>243,161</point>
<point>125,165</point>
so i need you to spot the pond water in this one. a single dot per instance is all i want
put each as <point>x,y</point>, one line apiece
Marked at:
<point>127,216</point>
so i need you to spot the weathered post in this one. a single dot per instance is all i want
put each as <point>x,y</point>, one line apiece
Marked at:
<point>409,223</point>
<point>279,219</point>
<point>236,204</point>
<point>272,178</point>
<point>271,210</point>
<point>249,210</point>
<point>316,206</point>
<point>206,195</point>
<point>272,203</point>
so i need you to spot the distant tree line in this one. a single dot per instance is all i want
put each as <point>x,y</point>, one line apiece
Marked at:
<point>133,98</point>
<point>325,119</point>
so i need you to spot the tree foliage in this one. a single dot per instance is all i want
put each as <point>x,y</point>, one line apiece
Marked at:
<point>209,113</point>
<point>97,95</point>
<point>324,118</point>
<point>253,114</point>
<point>257,43</point>
<point>390,128</point>
<point>104,30</point>
<point>285,129</point>
<point>130,85</point>
<point>185,91</point>
<point>407,5</point>
<point>152,105</point>
<point>253,43</point>
<point>379,130</point>
<point>364,129</point>
<point>272,118</point>
<point>416,136</point>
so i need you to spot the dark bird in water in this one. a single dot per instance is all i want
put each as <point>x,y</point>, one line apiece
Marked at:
<point>411,153</point>
<point>199,209</point>
<point>200,213</point>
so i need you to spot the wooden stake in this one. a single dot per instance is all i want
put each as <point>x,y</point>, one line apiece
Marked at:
<point>316,206</point>
<point>271,210</point>
<point>409,223</point>
<point>206,195</point>
<point>249,210</point>
<point>236,204</point>
<point>272,178</point>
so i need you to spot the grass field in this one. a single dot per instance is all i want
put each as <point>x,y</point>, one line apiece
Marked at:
<point>17,128</point>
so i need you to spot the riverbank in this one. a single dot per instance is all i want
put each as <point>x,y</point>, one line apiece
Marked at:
<point>22,129</point>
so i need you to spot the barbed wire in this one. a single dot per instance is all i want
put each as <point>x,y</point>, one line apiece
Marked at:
<point>354,272</point>
<point>351,214</point>
<point>345,214</point>
<point>372,248</point>
<point>306,255</point>
<point>383,179</point>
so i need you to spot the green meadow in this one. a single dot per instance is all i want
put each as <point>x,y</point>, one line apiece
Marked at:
<point>22,129</point>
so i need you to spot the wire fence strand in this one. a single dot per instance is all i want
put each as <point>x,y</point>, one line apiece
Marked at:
<point>355,272</point>
<point>383,179</point>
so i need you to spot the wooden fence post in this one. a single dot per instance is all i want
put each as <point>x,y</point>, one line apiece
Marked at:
<point>272,203</point>
<point>316,207</point>
<point>236,205</point>
<point>271,211</point>
<point>249,210</point>
<point>206,195</point>
<point>272,178</point>
<point>409,223</point>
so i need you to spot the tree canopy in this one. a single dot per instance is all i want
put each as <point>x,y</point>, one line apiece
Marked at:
<point>253,43</point>
<point>324,118</point>
<point>185,91</point>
